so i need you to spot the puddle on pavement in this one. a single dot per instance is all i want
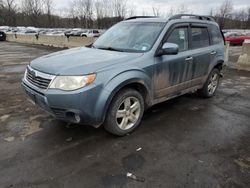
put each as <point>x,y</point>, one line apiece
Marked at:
<point>238,85</point>
<point>32,127</point>
<point>10,139</point>
<point>12,69</point>
<point>4,117</point>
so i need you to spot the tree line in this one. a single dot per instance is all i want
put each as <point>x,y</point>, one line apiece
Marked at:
<point>103,13</point>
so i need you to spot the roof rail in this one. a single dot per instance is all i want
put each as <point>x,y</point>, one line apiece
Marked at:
<point>193,16</point>
<point>136,17</point>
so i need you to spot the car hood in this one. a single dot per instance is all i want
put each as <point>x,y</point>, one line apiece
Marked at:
<point>80,61</point>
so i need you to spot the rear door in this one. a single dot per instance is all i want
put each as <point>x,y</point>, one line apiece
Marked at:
<point>201,52</point>
<point>217,44</point>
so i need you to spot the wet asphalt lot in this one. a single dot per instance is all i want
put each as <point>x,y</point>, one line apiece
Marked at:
<point>185,142</point>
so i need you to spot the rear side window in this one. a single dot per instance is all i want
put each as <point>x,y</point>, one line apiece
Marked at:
<point>200,37</point>
<point>179,36</point>
<point>215,34</point>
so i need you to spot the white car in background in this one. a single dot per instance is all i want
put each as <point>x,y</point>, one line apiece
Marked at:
<point>27,32</point>
<point>91,33</point>
<point>55,33</point>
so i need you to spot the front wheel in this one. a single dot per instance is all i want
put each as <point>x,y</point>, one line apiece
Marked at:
<point>125,112</point>
<point>211,84</point>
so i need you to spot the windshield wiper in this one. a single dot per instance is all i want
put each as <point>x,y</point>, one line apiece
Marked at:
<point>110,49</point>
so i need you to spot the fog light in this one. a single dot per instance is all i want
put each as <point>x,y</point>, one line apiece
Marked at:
<point>77,118</point>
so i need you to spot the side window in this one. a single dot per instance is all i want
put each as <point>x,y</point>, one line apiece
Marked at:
<point>215,34</point>
<point>179,36</point>
<point>200,37</point>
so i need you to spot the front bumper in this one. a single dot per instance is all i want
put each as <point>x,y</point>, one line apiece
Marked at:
<point>75,106</point>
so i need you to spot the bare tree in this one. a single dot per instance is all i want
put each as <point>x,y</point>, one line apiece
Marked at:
<point>156,11</point>
<point>99,10</point>
<point>131,10</point>
<point>120,8</point>
<point>225,12</point>
<point>84,10</point>
<point>10,12</point>
<point>89,12</point>
<point>48,5</point>
<point>104,8</point>
<point>248,18</point>
<point>145,13</point>
<point>182,9</point>
<point>1,13</point>
<point>241,16</point>
<point>32,9</point>
<point>211,12</point>
<point>11,5</point>
<point>72,14</point>
<point>108,12</point>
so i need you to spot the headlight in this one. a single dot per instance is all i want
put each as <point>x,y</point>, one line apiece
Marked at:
<point>70,83</point>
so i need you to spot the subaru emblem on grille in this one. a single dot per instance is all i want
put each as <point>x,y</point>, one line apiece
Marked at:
<point>33,73</point>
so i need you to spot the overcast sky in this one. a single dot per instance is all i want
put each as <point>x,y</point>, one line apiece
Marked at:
<point>194,6</point>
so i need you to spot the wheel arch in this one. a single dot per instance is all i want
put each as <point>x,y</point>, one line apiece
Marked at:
<point>216,64</point>
<point>136,85</point>
<point>219,65</point>
<point>140,82</point>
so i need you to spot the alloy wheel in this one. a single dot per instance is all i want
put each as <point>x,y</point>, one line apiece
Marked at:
<point>213,83</point>
<point>128,113</point>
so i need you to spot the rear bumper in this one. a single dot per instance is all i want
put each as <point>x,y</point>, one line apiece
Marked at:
<point>74,107</point>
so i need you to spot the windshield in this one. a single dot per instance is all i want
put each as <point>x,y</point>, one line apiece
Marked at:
<point>130,36</point>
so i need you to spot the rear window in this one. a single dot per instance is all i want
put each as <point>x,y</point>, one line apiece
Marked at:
<point>200,37</point>
<point>215,34</point>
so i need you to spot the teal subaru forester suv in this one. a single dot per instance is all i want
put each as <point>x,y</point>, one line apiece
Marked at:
<point>135,64</point>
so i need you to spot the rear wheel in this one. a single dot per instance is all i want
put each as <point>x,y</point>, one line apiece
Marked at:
<point>211,84</point>
<point>125,112</point>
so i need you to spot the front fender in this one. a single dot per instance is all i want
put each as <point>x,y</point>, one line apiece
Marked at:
<point>115,84</point>
<point>128,77</point>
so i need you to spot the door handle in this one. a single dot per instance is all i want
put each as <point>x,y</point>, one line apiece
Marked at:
<point>189,59</point>
<point>213,53</point>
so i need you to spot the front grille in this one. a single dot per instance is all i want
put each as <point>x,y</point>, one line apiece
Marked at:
<point>37,80</point>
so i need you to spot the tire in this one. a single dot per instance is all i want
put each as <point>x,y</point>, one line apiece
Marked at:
<point>3,37</point>
<point>211,85</point>
<point>125,112</point>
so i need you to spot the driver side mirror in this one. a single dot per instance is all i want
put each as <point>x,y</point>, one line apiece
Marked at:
<point>168,49</point>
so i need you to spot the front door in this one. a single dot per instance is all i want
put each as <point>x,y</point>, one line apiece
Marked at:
<point>173,72</point>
